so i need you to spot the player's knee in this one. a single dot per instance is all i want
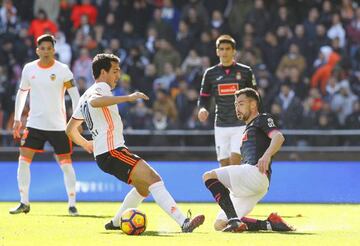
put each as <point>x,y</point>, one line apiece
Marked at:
<point>209,175</point>
<point>154,177</point>
<point>219,225</point>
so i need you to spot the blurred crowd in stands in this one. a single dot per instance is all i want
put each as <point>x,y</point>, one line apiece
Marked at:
<point>305,55</point>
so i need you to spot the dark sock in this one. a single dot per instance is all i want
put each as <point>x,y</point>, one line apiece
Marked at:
<point>254,224</point>
<point>222,197</point>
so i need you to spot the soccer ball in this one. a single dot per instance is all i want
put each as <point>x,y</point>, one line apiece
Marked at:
<point>133,222</point>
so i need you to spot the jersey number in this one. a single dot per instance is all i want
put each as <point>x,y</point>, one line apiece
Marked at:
<point>87,117</point>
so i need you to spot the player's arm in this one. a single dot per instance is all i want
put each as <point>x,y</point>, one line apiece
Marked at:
<point>72,130</point>
<point>73,92</point>
<point>277,140</point>
<point>20,102</point>
<point>19,107</point>
<point>103,101</point>
<point>204,98</point>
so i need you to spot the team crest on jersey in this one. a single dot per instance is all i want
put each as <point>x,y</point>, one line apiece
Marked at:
<point>238,76</point>
<point>52,77</point>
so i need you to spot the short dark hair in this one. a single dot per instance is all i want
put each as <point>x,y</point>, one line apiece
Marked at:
<point>225,39</point>
<point>46,38</point>
<point>251,93</point>
<point>103,61</point>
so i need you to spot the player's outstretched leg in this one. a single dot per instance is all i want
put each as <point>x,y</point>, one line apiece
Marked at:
<point>191,223</point>
<point>146,179</point>
<point>278,224</point>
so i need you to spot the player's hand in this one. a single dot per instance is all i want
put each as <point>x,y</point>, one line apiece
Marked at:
<point>16,129</point>
<point>263,163</point>
<point>138,95</point>
<point>89,147</point>
<point>203,114</point>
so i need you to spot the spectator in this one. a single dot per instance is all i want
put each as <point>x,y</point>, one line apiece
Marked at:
<point>336,30</point>
<point>326,13</point>
<point>63,49</point>
<point>271,51</point>
<point>164,82</point>
<point>166,54</point>
<point>191,62</point>
<point>85,8</point>
<point>342,102</point>
<point>165,105</point>
<point>82,67</point>
<point>259,17</point>
<point>185,102</point>
<point>291,108</point>
<point>140,116</point>
<point>353,34</point>
<point>323,73</point>
<point>170,14</point>
<point>42,25</point>
<point>184,39</point>
<point>50,7</point>
<point>291,59</point>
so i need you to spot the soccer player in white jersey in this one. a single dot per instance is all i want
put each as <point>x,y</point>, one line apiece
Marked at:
<point>46,79</point>
<point>98,108</point>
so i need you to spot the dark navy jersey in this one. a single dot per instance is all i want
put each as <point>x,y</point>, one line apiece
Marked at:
<point>256,139</point>
<point>222,82</point>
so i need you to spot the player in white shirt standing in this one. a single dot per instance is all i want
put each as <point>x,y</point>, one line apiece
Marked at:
<point>46,79</point>
<point>98,108</point>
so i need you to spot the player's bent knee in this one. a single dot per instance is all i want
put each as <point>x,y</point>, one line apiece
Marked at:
<point>219,225</point>
<point>209,175</point>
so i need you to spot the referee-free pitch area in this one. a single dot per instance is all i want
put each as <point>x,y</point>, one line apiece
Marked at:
<point>48,224</point>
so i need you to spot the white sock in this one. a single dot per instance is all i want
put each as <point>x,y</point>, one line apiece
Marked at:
<point>132,200</point>
<point>23,177</point>
<point>163,198</point>
<point>70,182</point>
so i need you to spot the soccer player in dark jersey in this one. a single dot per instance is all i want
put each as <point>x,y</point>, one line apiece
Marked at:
<point>238,188</point>
<point>221,81</point>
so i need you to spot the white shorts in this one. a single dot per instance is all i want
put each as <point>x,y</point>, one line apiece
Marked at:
<point>228,140</point>
<point>246,184</point>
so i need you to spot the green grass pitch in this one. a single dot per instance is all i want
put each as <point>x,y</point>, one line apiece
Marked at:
<point>49,224</point>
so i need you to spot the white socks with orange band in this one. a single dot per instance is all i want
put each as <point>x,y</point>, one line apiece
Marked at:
<point>69,180</point>
<point>132,200</point>
<point>23,177</point>
<point>163,198</point>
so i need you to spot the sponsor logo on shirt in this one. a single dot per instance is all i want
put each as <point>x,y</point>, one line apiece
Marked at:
<point>227,89</point>
<point>220,77</point>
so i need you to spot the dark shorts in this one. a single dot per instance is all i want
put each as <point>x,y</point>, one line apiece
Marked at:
<point>35,139</point>
<point>118,162</point>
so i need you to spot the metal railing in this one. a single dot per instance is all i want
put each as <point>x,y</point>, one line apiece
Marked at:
<point>183,140</point>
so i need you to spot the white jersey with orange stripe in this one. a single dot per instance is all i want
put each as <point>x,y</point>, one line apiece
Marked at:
<point>104,123</point>
<point>47,89</point>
